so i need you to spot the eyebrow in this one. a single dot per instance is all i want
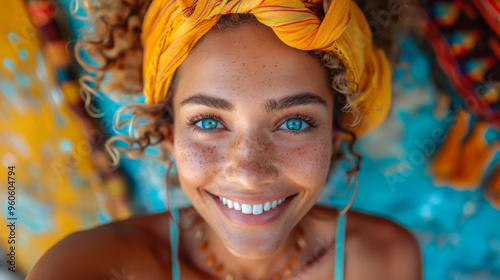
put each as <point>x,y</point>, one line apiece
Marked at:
<point>210,101</point>
<point>301,98</point>
<point>271,105</point>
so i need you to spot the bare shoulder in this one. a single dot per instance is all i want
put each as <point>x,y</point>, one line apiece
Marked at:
<point>137,246</point>
<point>383,248</point>
<point>393,247</point>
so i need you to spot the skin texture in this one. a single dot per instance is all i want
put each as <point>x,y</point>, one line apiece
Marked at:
<point>249,152</point>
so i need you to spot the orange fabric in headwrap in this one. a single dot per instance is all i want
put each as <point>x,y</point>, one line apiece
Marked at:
<point>172,28</point>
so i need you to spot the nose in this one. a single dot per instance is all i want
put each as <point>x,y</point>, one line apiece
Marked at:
<point>250,161</point>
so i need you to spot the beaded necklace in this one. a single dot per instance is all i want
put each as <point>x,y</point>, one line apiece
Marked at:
<point>218,268</point>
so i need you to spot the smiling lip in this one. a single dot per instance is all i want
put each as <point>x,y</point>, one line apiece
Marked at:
<point>249,219</point>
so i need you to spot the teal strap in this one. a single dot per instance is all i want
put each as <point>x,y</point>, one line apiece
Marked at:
<point>339,253</point>
<point>174,245</point>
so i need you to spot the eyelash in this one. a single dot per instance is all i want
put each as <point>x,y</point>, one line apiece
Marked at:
<point>193,120</point>
<point>307,119</point>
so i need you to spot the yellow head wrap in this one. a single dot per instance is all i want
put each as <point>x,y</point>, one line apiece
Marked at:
<point>171,28</point>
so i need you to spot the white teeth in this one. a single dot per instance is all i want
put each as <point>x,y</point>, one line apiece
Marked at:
<point>274,204</point>
<point>255,209</point>
<point>237,206</point>
<point>246,208</point>
<point>267,206</point>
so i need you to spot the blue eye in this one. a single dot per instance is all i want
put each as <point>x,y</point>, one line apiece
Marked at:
<point>209,124</point>
<point>294,124</point>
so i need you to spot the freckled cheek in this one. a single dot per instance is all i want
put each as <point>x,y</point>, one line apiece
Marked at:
<point>197,163</point>
<point>307,165</point>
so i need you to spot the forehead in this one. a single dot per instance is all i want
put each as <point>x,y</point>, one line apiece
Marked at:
<point>249,61</point>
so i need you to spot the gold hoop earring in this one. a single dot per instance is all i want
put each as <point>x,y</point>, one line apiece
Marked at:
<point>167,187</point>
<point>353,172</point>
<point>353,196</point>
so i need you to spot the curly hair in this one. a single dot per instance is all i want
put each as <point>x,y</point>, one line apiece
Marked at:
<point>114,44</point>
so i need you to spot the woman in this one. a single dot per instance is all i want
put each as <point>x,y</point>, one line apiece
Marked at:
<point>254,125</point>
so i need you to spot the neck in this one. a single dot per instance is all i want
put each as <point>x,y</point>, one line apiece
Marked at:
<point>243,268</point>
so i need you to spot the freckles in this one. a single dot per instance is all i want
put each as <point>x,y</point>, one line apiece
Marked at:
<point>250,156</point>
<point>308,162</point>
<point>197,162</point>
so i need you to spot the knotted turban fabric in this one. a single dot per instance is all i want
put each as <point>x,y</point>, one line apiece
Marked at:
<point>171,28</point>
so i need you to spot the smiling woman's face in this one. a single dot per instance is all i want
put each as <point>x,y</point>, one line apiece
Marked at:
<point>253,124</point>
